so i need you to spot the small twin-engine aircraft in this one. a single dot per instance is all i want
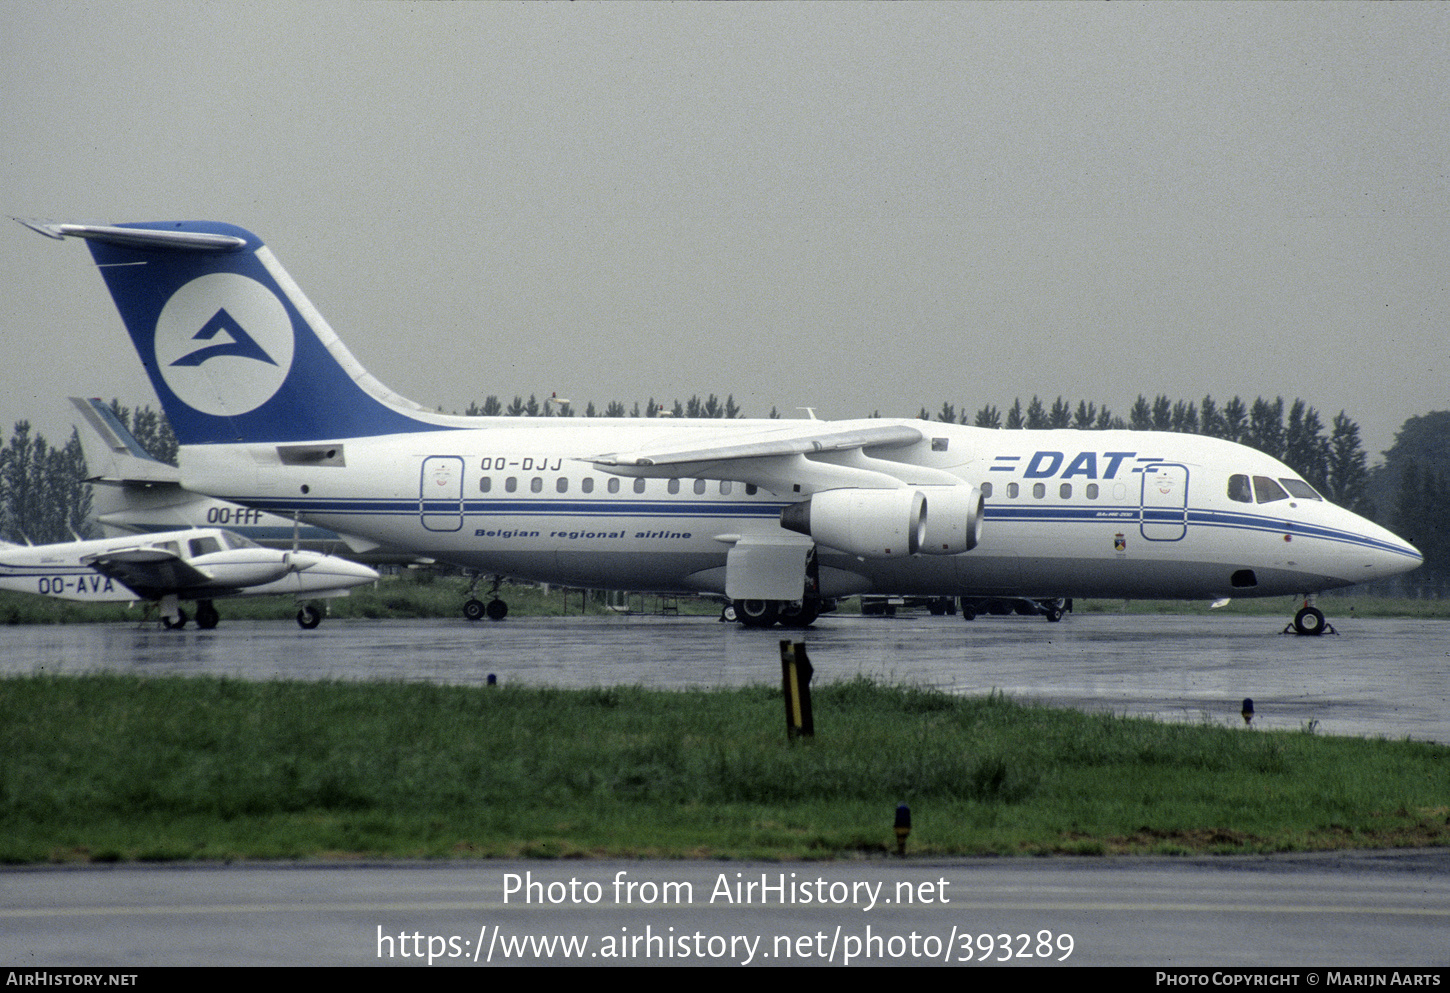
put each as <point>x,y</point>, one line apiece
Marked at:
<point>200,564</point>
<point>780,517</point>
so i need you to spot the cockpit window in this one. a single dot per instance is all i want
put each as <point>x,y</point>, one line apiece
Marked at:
<point>1300,490</point>
<point>233,540</point>
<point>1238,489</point>
<point>203,546</point>
<point>1267,491</point>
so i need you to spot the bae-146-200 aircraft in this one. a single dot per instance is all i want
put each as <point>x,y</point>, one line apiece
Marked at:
<point>201,564</point>
<point>273,412</point>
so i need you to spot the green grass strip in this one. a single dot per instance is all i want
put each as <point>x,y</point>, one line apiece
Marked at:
<point>114,767</point>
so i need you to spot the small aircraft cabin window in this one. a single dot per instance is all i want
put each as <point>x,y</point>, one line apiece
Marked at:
<point>203,546</point>
<point>1267,491</point>
<point>1300,490</point>
<point>237,541</point>
<point>639,485</point>
<point>1238,489</point>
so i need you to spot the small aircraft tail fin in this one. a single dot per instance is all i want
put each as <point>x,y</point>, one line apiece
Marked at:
<point>113,455</point>
<point>234,349</point>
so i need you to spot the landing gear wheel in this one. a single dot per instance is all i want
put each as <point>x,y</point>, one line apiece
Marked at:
<point>802,615</point>
<point>309,617</point>
<point>1309,620</point>
<point>207,616</point>
<point>969,610</point>
<point>727,614</point>
<point>1053,613</point>
<point>756,613</point>
<point>496,610</point>
<point>174,624</point>
<point>474,609</point>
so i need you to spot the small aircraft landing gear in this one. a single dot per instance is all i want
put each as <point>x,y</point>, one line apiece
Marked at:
<point>207,616</point>
<point>309,616</point>
<point>1309,621</point>
<point>476,610</point>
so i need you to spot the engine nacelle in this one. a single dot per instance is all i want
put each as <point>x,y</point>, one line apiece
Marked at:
<point>244,567</point>
<point>870,523</point>
<point>953,519</point>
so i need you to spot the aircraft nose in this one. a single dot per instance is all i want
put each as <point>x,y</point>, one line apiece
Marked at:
<point>1392,555</point>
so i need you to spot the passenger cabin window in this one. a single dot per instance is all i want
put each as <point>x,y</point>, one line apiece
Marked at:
<point>485,484</point>
<point>614,486</point>
<point>511,484</point>
<point>986,490</point>
<point>1039,490</point>
<point>203,546</point>
<point>1065,491</point>
<point>1012,491</point>
<point>1092,491</point>
<point>536,485</point>
<point>639,485</point>
<point>587,484</point>
<point>725,487</point>
<point>700,487</point>
<point>1238,489</point>
<point>1267,491</point>
<point>674,486</point>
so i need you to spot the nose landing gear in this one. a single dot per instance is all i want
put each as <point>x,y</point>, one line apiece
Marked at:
<point>1309,621</point>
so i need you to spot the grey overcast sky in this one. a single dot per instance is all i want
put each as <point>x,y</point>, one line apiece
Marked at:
<point>858,207</point>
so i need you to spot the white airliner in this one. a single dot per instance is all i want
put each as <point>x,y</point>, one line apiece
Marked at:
<point>780,517</point>
<point>201,564</point>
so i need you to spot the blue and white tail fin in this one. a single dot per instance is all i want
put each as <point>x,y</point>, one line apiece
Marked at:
<point>235,351</point>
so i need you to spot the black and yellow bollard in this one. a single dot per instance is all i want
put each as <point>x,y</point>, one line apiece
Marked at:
<point>903,827</point>
<point>795,679</point>
<point>1248,711</point>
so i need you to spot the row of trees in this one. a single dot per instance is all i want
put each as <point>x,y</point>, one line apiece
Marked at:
<point>43,498</point>
<point>43,494</point>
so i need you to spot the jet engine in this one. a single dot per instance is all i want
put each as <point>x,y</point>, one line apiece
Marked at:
<point>954,519</point>
<point>870,523</point>
<point>932,520</point>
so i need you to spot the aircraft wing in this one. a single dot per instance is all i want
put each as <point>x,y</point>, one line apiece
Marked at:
<point>148,572</point>
<point>804,457</point>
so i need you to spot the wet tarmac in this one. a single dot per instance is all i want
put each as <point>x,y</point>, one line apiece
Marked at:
<point>1376,678</point>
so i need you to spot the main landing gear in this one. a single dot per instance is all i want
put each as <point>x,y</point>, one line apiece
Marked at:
<point>1309,620</point>
<point>1052,609</point>
<point>476,610</point>
<point>764,613</point>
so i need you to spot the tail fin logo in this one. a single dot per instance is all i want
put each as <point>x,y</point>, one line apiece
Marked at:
<point>251,344</point>
<point>241,343</point>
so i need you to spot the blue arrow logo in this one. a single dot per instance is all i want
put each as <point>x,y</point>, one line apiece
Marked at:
<point>241,343</point>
